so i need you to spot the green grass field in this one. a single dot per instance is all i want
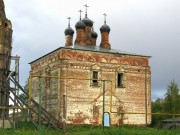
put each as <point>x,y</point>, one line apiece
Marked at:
<point>89,130</point>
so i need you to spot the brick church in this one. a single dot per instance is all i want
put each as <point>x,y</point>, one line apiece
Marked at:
<point>86,70</point>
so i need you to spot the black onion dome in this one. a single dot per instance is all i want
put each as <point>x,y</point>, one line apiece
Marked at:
<point>105,28</point>
<point>87,21</point>
<point>69,31</point>
<point>94,34</point>
<point>80,25</point>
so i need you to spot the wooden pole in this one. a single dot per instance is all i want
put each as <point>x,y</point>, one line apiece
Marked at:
<point>40,104</point>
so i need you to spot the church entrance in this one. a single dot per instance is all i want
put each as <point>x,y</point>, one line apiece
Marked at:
<point>106,119</point>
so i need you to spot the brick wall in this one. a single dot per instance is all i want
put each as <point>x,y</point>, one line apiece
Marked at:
<point>83,100</point>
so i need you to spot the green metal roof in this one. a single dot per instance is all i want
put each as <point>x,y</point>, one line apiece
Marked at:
<point>94,49</point>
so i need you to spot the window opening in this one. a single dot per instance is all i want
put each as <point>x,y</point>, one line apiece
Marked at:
<point>95,77</point>
<point>6,24</point>
<point>120,80</point>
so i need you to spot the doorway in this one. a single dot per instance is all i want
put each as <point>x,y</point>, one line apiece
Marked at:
<point>106,119</point>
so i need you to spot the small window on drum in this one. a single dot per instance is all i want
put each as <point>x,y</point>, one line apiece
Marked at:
<point>95,78</point>
<point>120,80</point>
<point>5,24</point>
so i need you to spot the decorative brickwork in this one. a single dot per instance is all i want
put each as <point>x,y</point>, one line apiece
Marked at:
<point>83,100</point>
<point>69,40</point>
<point>80,37</point>
<point>105,40</point>
<point>88,38</point>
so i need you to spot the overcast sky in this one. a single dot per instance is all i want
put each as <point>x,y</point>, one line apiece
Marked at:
<point>149,27</point>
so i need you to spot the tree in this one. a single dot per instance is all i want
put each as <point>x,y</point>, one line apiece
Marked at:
<point>169,104</point>
<point>26,89</point>
<point>157,107</point>
<point>172,99</point>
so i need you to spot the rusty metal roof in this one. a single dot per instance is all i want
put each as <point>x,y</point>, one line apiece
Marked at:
<point>92,48</point>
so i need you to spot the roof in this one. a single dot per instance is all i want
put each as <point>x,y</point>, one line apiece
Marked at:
<point>177,119</point>
<point>93,49</point>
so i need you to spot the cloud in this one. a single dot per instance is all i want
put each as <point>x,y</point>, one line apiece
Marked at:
<point>149,27</point>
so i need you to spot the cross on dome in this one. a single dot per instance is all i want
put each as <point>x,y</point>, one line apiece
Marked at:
<point>86,6</point>
<point>80,13</point>
<point>69,18</point>
<point>105,18</point>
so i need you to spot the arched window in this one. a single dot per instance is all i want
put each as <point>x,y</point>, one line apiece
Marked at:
<point>120,77</point>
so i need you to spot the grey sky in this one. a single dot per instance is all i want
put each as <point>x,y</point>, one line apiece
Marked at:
<point>150,27</point>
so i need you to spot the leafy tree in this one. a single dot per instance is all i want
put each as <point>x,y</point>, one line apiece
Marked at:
<point>169,104</point>
<point>157,107</point>
<point>172,99</point>
<point>26,89</point>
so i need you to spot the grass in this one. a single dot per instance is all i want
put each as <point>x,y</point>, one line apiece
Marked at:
<point>26,128</point>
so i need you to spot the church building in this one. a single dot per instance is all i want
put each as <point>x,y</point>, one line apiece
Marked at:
<point>79,82</point>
